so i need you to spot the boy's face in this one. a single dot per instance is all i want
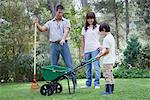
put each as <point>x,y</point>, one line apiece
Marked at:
<point>103,33</point>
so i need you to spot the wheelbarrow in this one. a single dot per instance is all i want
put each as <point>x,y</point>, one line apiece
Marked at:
<point>52,74</point>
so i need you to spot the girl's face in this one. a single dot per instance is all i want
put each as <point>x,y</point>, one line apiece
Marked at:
<point>90,21</point>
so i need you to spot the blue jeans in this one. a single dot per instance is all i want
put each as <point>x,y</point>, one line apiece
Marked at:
<point>96,64</point>
<point>55,50</point>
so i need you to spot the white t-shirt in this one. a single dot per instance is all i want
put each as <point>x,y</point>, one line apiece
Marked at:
<point>109,42</point>
<point>91,39</point>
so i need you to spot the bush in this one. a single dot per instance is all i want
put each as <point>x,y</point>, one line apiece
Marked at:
<point>20,68</point>
<point>123,72</point>
<point>144,56</point>
<point>132,51</point>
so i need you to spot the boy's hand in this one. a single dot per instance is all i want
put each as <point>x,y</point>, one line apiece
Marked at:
<point>100,48</point>
<point>98,57</point>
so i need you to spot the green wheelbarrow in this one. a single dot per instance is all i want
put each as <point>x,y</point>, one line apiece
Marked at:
<point>52,74</point>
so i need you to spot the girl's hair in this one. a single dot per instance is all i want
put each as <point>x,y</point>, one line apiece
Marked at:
<point>104,27</point>
<point>90,15</point>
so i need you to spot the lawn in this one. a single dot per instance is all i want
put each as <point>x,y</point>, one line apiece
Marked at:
<point>125,89</point>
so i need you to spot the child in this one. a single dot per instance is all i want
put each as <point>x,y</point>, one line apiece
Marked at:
<point>108,52</point>
<point>90,45</point>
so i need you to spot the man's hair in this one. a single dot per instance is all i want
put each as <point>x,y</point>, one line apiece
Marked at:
<point>104,27</point>
<point>59,7</point>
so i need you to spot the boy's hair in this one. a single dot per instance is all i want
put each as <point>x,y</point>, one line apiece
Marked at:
<point>104,26</point>
<point>59,7</point>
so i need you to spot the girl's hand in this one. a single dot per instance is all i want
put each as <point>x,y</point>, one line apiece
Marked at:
<point>100,48</point>
<point>83,56</point>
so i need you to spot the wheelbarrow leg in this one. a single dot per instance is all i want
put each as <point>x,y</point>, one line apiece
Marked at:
<point>68,84</point>
<point>74,81</point>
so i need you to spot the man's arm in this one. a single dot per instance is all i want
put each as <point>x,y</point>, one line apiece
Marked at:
<point>41,28</point>
<point>66,31</point>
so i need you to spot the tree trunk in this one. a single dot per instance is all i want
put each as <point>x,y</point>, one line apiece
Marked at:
<point>116,26</point>
<point>84,3</point>
<point>79,54</point>
<point>51,7</point>
<point>127,20</point>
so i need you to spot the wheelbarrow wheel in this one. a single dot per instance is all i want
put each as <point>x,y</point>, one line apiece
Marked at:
<point>58,88</point>
<point>46,90</point>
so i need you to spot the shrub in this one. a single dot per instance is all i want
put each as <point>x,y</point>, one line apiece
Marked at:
<point>144,56</point>
<point>132,51</point>
<point>123,72</point>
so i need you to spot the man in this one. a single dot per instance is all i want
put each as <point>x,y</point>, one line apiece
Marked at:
<point>58,29</point>
<point>108,52</point>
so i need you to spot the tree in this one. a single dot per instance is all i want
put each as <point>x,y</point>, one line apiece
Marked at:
<point>84,3</point>
<point>144,16</point>
<point>132,51</point>
<point>16,37</point>
<point>113,8</point>
<point>127,20</point>
<point>52,5</point>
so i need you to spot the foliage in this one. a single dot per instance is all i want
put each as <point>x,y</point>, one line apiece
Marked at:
<point>144,14</point>
<point>132,51</point>
<point>123,72</point>
<point>144,56</point>
<point>107,6</point>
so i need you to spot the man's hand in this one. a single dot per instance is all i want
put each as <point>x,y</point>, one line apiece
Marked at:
<point>35,20</point>
<point>62,42</point>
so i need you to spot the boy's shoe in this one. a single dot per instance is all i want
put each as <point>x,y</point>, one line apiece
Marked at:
<point>108,90</point>
<point>112,88</point>
<point>97,87</point>
<point>87,87</point>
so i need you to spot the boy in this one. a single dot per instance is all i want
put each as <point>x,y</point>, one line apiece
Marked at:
<point>108,52</point>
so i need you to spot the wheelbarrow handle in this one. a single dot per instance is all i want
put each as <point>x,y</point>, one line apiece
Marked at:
<point>88,61</point>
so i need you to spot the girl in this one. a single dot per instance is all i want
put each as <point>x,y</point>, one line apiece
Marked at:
<point>90,45</point>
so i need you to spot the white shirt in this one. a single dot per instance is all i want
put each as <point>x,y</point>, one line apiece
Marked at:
<point>109,42</point>
<point>56,30</point>
<point>91,39</point>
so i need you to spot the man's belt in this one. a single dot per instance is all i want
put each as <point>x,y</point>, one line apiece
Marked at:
<point>57,41</point>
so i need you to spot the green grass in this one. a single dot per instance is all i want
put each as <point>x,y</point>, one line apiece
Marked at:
<point>125,89</point>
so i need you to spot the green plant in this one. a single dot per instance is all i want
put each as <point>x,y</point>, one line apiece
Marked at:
<point>144,57</point>
<point>132,51</point>
<point>123,72</point>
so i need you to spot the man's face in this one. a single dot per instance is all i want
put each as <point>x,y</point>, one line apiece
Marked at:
<point>59,14</point>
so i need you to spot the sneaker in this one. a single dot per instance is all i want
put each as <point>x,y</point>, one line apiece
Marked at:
<point>85,86</point>
<point>97,87</point>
